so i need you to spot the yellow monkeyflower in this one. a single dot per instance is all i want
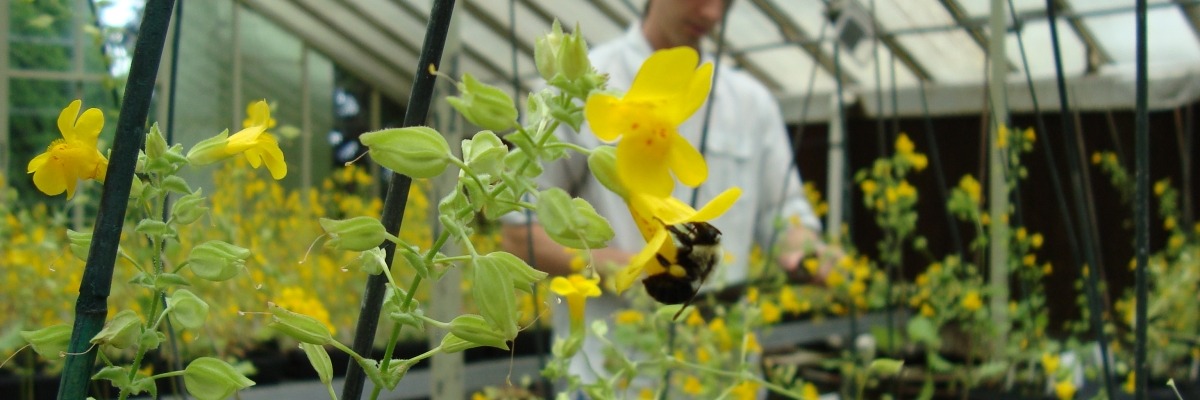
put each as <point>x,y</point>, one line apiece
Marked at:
<point>869,186</point>
<point>971,186</point>
<point>576,289</point>
<point>788,301</point>
<point>1130,383</point>
<point>253,141</point>
<point>918,160</point>
<point>809,392</point>
<point>629,317</point>
<point>667,90</point>
<point>74,157</point>
<point>692,385</point>
<point>903,144</point>
<point>1002,137</point>
<point>747,390</point>
<point>259,146</point>
<point>653,215</point>
<point>971,301</point>
<point>771,313</point>
<point>1029,135</point>
<point>1065,390</point>
<point>1050,363</point>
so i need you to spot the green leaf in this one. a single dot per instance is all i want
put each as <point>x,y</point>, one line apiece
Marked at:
<point>209,378</point>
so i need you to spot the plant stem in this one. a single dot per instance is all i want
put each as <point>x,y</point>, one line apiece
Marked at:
<point>91,308</point>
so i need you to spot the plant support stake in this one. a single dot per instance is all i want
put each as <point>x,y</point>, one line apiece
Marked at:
<point>92,306</point>
<point>397,193</point>
<point>1141,209</point>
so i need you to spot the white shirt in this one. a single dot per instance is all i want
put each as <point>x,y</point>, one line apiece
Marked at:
<point>747,146</point>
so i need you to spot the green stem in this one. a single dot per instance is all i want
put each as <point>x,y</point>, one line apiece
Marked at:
<point>388,351</point>
<point>167,374</point>
<point>434,322</point>
<point>736,375</point>
<point>572,146</point>
<point>452,259</point>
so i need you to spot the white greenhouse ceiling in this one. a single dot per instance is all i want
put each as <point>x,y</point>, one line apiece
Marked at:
<point>907,48</point>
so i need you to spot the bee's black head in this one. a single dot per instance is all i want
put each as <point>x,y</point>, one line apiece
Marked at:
<point>696,234</point>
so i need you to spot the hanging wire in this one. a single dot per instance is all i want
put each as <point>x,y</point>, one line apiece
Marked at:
<point>1141,208</point>
<point>1092,283</point>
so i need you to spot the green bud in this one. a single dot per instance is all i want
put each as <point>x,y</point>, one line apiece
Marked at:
<point>372,261</point>
<point>523,276</point>
<point>50,342</point>
<point>418,151</point>
<point>319,358</point>
<point>395,310</point>
<point>486,106</point>
<point>209,150</point>
<point>154,228</point>
<point>573,56</point>
<point>473,328</point>
<point>81,242</point>
<point>416,261</point>
<point>123,331</point>
<point>453,344</point>
<point>167,280</point>
<point>176,184</point>
<point>150,340</point>
<point>156,144</point>
<point>217,261</point>
<point>189,311</point>
<point>545,51</point>
<point>885,367</point>
<point>189,208</point>
<point>493,292</point>
<point>484,153</point>
<point>572,222</point>
<point>354,234</point>
<point>136,188</point>
<point>209,378</point>
<point>603,164</point>
<point>395,372</point>
<point>298,326</point>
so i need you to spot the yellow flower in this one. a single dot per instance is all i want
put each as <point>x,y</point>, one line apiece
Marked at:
<point>971,301</point>
<point>1065,390</point>
<point>809,392</point>
<point>1161,186</point>
<point>835,279</point>
<point>1169,223</point>
<point>1002,137</point>
<point>653,214</point>
<point>747,390</point>
<point>576,289</point>
<point>1097,157</point>
<point>770,312</point>
<point>1030,136</point>
<point>905,190</point>
<point>918,160</point>
<point>1130,383</point>
<point>692,386</point>
<point>259,146</point>
<point>646,394</point>
<point>694,319</point>
<point>73,157</point>
<point>788,301</point>
<point>752,345</point>
<point>703,356</point>
<point>869,186</point>
<point>971,186</point>
<point>926,310</point>
<point>1036,240</point>
<point>903,144</point>
<point>668,89</point>
<point>752,295</point>
<point>629,317</point>
<point>1050,363</point>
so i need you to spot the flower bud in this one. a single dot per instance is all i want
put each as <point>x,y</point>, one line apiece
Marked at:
<point>319,358</point>
<point>210,378</point>
<point>418,151</point>
<point>209,150</point>
<point>473,328</point>
<point>189,208</point>
<point>217,261</point>
<point>81,242</point>
<point>493,292</point>
<point>603,164</point>
<point>885,367</point>
<point>545,51</point>
<point>572,222</point>
<point>573,56</point>
<point>372,261</point>
<point>121,332</point>
<point>156,144</point>
<point>176,184</point>
<point>298,326</point>
<point>453,344</point>
<point>486,106</point>
<point>354,234</point>
<point>484,153</point>
<point>50,342</point>
<point>523,276</point>
<point>189,311</point>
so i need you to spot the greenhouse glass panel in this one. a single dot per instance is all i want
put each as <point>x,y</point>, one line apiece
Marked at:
<point>1039,49</point>
<point>983,8</point>
<point>791,67</point>
<point>1169,37</point>
<point>951,57</point>
<point>895,15</point>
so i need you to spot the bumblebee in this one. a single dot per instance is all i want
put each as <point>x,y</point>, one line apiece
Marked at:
<point>697,250</point>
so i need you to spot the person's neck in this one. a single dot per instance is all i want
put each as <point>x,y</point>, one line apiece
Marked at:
<point>659,40</point>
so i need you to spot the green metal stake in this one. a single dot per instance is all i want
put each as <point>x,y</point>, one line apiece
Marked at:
<point>397,193</point>
<point>92,306</point>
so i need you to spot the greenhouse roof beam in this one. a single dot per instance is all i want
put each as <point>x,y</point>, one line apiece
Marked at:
<point>793,33</point>
<point>975,31</point>
<point>468,49</point>
<point>1096,55</point>
<point>1192,11</point>
<point>609,12</point>
<point>495,25</point>
<point>321,37</point>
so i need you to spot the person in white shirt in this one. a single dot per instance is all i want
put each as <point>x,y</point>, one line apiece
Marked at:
<point>747,146</point>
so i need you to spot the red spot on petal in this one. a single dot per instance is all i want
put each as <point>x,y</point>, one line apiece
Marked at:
<point>634,126</point>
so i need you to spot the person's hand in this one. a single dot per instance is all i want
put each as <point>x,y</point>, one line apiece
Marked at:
<point>826,257</point>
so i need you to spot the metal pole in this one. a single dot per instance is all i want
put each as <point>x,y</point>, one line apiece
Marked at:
<point>997,185</point>
<point>4,103</point>
<point>836,173</point>
<point>306,156</point>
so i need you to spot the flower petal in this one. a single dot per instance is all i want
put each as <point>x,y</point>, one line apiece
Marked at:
<point>665,74</point>
<point>602,115</point>
<point>632,272</point>
<point>37,162</point>
<point>717,206</point>
<point>243,140</point>
<point>51,179</point>
<point>258,114</point>
<point>562,286</point>
<point>642,167</point>
<point>686,162</point>
<point>695,94</point>
<point>273,157</point>
<point>66,120</point>
<point>87,128</point>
